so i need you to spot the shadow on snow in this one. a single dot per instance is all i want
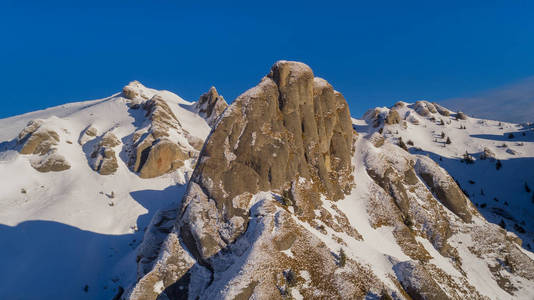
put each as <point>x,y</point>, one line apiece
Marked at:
<point>51,260</point>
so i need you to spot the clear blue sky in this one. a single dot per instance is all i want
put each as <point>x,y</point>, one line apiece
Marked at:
<point>374,52</point>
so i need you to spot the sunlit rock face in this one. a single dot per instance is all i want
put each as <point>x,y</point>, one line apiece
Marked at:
<point>210,106</point>
<point>283,184</point>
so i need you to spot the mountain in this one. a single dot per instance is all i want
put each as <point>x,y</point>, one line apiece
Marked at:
<point>80,183</point>
<point>492,161</point>
<point>280,194</point>
<point>287,200</point>
<point>511,103</point>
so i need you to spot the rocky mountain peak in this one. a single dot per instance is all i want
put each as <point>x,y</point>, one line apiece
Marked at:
<point>290,134</point>
<point>210,105</point>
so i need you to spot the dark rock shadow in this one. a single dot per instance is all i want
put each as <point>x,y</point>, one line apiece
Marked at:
<point>523,135</point>
<point>229,260</point>
<point>50,260</point>
<point>139,116</point>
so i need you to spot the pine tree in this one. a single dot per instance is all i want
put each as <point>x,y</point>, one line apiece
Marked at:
<point>442,135</point>
<point>448,142</point>
<point>502,224</point>
<point>498,165</point>
<point>342,258</point>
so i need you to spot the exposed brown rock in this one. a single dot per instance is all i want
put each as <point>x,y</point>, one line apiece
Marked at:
<point>52,161</point>
<point>445,189</point>
<point>417,282</point>
<point>36,139</point>
<point>155,152</point>
<point>461,116</point>
<point>89,133</point>
<point>393,117</point>
<point>39,140</point>
<point>289,126</point>
<point>441,110</point>
<point>162,157</point>
<point>105,160</point>
<point>424,108</point>
<point>210,106</point>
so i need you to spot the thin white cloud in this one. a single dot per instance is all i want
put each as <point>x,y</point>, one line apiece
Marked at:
<point>512,103</point>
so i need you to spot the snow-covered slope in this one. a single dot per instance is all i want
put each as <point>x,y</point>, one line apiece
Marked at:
<point>503,195</point>
<point>288,198</point>
<point>72,234</point>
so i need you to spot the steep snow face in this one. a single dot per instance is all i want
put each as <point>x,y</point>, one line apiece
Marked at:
<point>402,228</point>
<point>491,160</point>
<point>72,228</point>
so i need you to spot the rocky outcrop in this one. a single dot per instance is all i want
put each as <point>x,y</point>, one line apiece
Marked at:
<point>290,126</point>
<point>210,106</point>
<point>163,145</point>
<point>418,282</point>
<point>461,116</point>
<point>104,158</point>
<point>424,108</point>
<point>37,139</point>
<point>393,117</point>
<point>441,110</point>
<point>444,187</point>
<point>50,162</point>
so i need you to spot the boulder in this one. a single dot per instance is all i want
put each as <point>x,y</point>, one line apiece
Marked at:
<point>52,161</point>
<point>461,116</point>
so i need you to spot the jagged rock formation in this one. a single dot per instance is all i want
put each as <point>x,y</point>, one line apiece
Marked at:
<point>163,145</point>
<point>273,199</point>
<point>104,158</point>
<point>37,139</point>
<point>210,106</point>
<point>290,126</point>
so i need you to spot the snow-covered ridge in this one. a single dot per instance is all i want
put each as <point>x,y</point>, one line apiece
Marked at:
<point>92,214</point>
<point>357,217</point>
<point>491,160</point>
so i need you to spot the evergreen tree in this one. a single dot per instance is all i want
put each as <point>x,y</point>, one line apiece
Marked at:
<point>342,258</point>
